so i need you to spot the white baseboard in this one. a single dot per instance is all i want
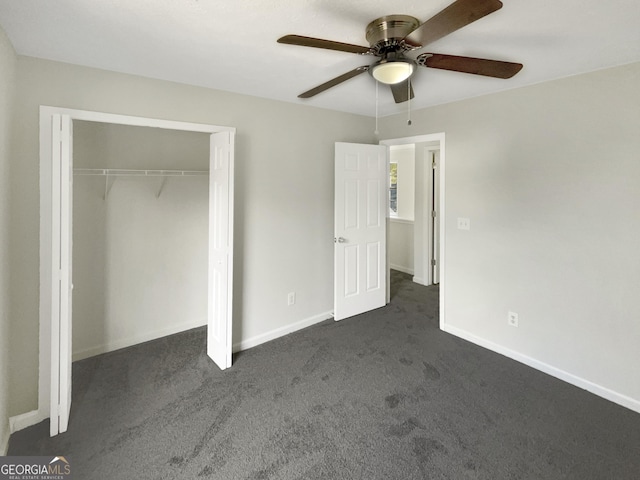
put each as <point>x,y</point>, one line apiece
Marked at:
<point>420,281</point>
<point>400,268</point>
<point>606,393</point>
<point>128,342</point>
<point>25,420</point>
<point>279,332</point>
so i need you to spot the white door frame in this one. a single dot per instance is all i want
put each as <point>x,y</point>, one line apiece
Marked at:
<point>431,181</point>
<point>46,222</point>
<point>435,235</point>
<point>434,137</point>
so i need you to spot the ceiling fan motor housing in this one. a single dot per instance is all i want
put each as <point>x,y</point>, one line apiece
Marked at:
<point>386,33</point>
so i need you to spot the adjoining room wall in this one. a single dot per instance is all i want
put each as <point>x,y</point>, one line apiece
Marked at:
<point>283,202</point>
<point>140,254</point>
<point>404,156</point>
<point>548,175</point>
<point>401,245</point>
<point>401,227</point>
<point>7,85</point>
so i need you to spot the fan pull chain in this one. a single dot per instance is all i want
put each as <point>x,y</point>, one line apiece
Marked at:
<point>408,102</point>
<point>376,132</point>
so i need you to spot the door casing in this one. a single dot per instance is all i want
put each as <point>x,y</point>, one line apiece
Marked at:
<point>46,225</point>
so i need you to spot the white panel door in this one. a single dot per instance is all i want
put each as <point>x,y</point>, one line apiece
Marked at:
<point>219,338</point>
<point>361,199</point>
<point>61,268</point>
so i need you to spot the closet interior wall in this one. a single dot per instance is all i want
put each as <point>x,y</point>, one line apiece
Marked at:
<point>140,243</point>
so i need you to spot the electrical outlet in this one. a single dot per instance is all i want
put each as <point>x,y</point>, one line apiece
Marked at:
<point>512,319</point>
<point>464,224</point>
<point>291,298</point>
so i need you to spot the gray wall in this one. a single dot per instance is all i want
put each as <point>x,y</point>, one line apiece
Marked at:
<point>401,228</point>
<point>7,83</point>
<point>548,175</point>
<point>401,245</point>
<point>284,195</point>
<point>139,259</point>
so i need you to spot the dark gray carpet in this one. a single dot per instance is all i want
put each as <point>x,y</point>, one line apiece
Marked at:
<point>384,395</point>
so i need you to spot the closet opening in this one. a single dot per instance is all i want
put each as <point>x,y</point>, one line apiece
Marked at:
<point>140,229</point>
<point>152,204</point>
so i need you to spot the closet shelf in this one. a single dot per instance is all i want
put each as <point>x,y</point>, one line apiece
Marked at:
<point>119,172</point>
<point>113,173</point>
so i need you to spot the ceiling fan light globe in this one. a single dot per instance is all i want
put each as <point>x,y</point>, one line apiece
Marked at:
<point>392,72</point>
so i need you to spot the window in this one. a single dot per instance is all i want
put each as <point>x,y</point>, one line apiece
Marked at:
<point>393,188</point>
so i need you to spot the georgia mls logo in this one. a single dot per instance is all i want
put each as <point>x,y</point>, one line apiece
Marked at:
<point>59,465</point>
<point>35,468</point>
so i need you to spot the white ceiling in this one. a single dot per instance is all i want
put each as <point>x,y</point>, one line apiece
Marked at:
<point>231,45</point>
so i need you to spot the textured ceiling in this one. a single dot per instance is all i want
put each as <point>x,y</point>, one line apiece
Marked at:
<point>231,45</point>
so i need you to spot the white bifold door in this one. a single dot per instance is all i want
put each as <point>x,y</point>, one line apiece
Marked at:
<point>61,270</point>
<point>361,204</point>
<point>219,341</point>
<point>219,327</point>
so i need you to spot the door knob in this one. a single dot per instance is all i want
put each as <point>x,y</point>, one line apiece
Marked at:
<point>340,240</point>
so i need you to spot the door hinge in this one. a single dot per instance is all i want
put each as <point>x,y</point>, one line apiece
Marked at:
<point>433,262</point>
<point>433,214</point>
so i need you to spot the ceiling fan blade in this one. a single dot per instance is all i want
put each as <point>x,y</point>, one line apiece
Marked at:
<point>457,15</point>
<point>332,83</point>
<point>402,91</point>
<point>476,66</point>
<point>320,43</point>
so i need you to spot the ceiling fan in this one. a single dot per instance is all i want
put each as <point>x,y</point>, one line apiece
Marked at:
<point>392,36</point>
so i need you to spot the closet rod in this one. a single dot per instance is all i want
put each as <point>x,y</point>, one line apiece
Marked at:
<point>119,172</point>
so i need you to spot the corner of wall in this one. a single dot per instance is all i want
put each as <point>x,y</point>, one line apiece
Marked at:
<point>8,61</point>
<point>4,440</point>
